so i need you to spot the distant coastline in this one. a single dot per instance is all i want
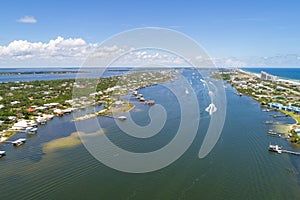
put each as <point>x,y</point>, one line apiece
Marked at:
<point>292,74</point>
<point>39,72</point>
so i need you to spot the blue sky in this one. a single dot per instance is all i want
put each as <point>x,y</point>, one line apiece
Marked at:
<point>241,30</point>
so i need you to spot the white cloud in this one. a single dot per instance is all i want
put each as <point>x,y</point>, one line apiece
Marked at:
<point>27,19</point>
<point>57,51</point>
<point>75,51</point>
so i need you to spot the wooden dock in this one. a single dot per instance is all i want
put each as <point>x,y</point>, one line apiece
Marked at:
<point>276,116</point>
<point>278,149</point>
<point>108,116</point>
<point>291,152</point>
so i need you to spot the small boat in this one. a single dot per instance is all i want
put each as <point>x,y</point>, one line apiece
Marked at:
<point>239,94</point>
<point>151,102</point>
<point>122,118</point>
<point>275,148</point>
<point>142,99</point>
<point>19,142</point>
<point>271,132</point>
<point>269,122</point>
<point>2,153</point>
<point>32,131</point>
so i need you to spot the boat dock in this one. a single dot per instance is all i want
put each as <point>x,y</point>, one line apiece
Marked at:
<point>238,94</point>
<point>274,134</point>
<point>291,152</point>
<point>278,149</point>
<point>276,116</point>
<point>112,117</point>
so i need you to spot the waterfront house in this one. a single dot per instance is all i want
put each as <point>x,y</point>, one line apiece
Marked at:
<point>21,124</point>
<point>275,105</point>
<point>282,107</point>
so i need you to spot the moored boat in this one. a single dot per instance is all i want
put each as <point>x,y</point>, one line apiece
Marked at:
<point>275,148</point>
<point>2,153</point>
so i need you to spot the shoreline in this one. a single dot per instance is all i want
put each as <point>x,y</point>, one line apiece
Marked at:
<point>280,78</point>
<point>281,111</point>
<point>109,111</point>
<point>108,94</point>
<point>264,91</point>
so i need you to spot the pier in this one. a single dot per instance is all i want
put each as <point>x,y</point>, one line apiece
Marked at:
<point>276,116</point>
<point>291,152</point>
<point>17,142</point>
<point>122,118</point>
<point>278,149</point>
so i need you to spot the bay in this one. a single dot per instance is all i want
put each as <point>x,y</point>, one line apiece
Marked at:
<point>239,167</point>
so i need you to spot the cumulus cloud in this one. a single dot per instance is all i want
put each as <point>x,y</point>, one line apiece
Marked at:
<point>58,51</point>
<point>75,51</point>
<point>27,19</point>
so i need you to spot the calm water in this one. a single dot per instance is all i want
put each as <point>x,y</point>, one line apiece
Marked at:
<point>88,73</point>
<point>290,73</point>
<point>239,167</point>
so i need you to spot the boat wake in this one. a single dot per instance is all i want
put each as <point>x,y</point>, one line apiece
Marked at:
<point>211,109</point>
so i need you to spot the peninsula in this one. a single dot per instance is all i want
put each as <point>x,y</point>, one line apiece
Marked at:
<point>270,91</point>
<point>24,105</point>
